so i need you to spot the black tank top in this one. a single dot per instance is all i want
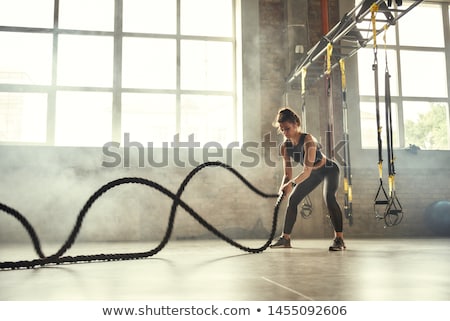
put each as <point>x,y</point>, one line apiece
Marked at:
<point>297,152</point>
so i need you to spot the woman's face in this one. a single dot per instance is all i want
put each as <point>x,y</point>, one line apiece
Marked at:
<point>288,129</point>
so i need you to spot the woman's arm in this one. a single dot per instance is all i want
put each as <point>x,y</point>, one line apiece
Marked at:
<point>286,185</point>
<point>310,148</point>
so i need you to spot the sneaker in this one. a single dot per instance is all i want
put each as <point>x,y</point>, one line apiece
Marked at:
<point>281,243</point>
<point>338,244</point>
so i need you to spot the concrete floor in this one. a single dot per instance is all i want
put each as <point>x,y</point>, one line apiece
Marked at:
<point>370,269</point>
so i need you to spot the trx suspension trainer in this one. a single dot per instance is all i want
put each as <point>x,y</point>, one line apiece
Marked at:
<point>329,94</point>
<point>393,212</point>
<point>306,206</point>
<point>345,160</point>
<point>348,193</point>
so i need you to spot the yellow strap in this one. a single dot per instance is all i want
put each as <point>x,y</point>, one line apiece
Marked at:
<point>346,185</point>
<point>350,193</point>
<point>343,77</point>
<point>304,71</point>
<point>380,169</point>
<point>391,183</point>
<point>374,10</point>
<point>329,53</point>
<point>386,26</point>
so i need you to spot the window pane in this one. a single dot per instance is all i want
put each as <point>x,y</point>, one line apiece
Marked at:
<point>366,74</point>
<point>149,63</point>
<point>209,118</point>
<point>423,74</point>
<point>86,15</point>
<point>369,128</point>
<point>426,125</point>
<point>26,13</point>
<point>25,58</point>
<point>85,61</point>
<point>422,27</point>
<point>83,118</point>
<point>23,117</point>
<point>207,18</point>
<point>149,117</point>
<point>206,65</point>
<point>150,16</point>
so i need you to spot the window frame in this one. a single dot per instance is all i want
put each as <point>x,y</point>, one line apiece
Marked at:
<point>399,99</point>
<point>116,90</point>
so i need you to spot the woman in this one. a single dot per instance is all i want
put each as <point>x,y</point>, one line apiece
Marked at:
<point>304,148</point>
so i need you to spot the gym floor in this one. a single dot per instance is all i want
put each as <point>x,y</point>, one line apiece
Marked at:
<point>370,269</point>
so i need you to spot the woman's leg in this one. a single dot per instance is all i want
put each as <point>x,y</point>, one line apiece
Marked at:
<point>331,184</point>
<point>298,194</point>
<point>330,187</point>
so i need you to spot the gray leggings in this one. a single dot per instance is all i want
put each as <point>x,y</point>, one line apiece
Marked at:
<point>329,175</point>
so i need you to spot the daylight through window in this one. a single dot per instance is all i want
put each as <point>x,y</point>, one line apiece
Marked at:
<point>96,70</point>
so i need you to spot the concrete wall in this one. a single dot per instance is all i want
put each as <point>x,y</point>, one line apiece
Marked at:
<point>50,185</point>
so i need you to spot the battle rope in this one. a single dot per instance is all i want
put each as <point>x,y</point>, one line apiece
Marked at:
<point>57,258</point>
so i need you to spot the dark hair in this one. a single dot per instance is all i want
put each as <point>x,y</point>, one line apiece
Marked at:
<point>286,114</point>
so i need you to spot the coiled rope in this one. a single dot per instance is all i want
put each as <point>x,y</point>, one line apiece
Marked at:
<point>58,257</point>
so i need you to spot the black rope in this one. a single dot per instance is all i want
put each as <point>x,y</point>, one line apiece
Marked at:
<point>58,257</point>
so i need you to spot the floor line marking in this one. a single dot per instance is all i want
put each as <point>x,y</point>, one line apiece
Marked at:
<point>286,288</point>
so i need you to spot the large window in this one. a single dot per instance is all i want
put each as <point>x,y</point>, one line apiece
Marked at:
<point>83,73</point>
<point>416,51</point>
